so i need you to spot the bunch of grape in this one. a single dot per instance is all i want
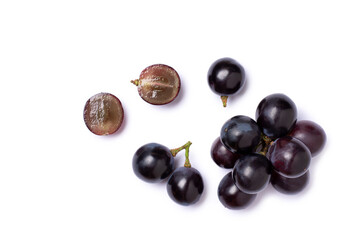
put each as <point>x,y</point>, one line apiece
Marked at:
<point>276,149</point>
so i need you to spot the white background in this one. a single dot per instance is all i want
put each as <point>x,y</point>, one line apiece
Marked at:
<point>60,181</point>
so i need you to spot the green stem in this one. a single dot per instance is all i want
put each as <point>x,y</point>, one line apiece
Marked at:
<point>186,146</point>
<point>268,142</point>
<point>224,100</point>
<point>135,82</point>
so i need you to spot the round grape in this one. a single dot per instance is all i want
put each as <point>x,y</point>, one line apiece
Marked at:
<point>289,157</point>
<point>276,115</point>
<point>289,185</point>
<point>232,197</point>
<point>222,156</point>
<point>153,162</point>
<point>240,134</point>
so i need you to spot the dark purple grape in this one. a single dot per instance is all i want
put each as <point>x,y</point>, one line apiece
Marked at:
<point>311,134</point>
<point>232,197</point>
<point>226,77</point>
<point>158,84</point>
<point>240,134</point>
<point>222,156</point>
<point>185,186</point>
<point>289,185</point>
<point>153,162</point>
<point>103,114</point>
<point>276,115</point>
<point>289,157</point>
<point>252,173</point>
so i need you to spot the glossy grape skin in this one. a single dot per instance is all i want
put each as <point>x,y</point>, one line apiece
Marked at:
<point>185,186</point>
<point>289,185</point>
<point>226,76</point>
<point>158,84</point>
<point>289,157</point>
<point>240,134</point>
<point>222,156</point>
<point>103,114</point>
<point>232,197</point>
<point>276,115</point>
<point>252,173</point>
<point>153,162</point>
<point>311,134</point>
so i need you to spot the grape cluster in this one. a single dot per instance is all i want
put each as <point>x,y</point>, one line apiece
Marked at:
<point>154,162</point>
<point>276,149</point>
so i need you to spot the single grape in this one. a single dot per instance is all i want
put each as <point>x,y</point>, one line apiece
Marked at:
<point>311,134</point>
<point>240,134</point>
<point>252,173</point>
<point>289,185</point>
<point>276,115</point>
<point>103,114</point>
<point>226,77</point>
<point>185,186</point>
<point>222,156</point>
<point>289,157</point>
<point>232,197</point>
<point>153,162</point>
<point>158,84</point>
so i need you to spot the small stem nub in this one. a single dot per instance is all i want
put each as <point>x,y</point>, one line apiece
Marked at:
<point>135,82</point>
<point>268,142</point>
<point>224,100</point>
<point>186,146</point>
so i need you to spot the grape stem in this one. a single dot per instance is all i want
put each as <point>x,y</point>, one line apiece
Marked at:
<point>268,142</point>
<point>186,146</point>
<point>224,100</point>
<point>135,82</point>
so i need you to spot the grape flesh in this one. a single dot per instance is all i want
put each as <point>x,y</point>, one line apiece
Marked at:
<point>158,84</point>
<point>311,134</point>
<point>103,114</point>
<point>289,157</point>
<point>252,173</point>
<point>276,115</point>
<point>185,186</point>
<point>289,185</point>
<point>232,197</point>
<point>153,162</point>
<point>222,156</point>
<point>240,134</point>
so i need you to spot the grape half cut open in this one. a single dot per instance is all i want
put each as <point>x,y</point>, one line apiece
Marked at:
<point>103,114</point>
<point>158,84</point>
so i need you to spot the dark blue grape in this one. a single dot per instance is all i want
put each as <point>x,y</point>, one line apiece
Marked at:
<point>232,197</point>
<point>240,134</point>
<point>289,185</point>
<point>276,115</point>
<point>252,173</point>
<point>185,186</point>
<point>222,156</point>
<point>153,162</point>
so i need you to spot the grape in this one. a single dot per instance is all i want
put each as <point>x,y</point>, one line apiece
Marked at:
<point>222,156</point>
<point>232,197</point>
<point>153,162</point>
<point>252,173</point>
<point>185,186</point>
<point>289,157</point>
<point>289,185</point>
<point>240,134</point>
<point>226,77</point>
<point>276,115</point>
<point>158,84</point>
<point>311,134</point>
<point>103,114</point>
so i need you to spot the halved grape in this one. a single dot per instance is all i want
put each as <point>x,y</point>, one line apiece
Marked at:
<point>158,84</point>
<point>103,114</point>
